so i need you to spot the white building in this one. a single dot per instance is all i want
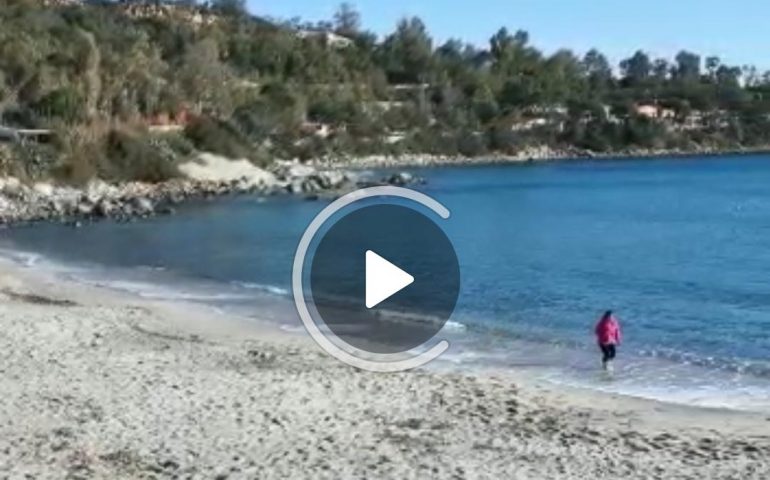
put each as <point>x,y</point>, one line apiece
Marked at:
<point>329,38</point>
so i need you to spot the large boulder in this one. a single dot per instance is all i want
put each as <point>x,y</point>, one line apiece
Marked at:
<point>5,206</point>
<point>84,209</point>
<point>299,170</point>
<point>311,185</point>
<point>401,179</point>
<point>289,170</point>
<point>105,208</point>
<point>142,206</point>
<point>97,190</point>
<point>44,189</point>
<point>299,178</point>
<point>332,179</point>
<point>12,187</point>
<point>57,207</point>
<point>295,187</point>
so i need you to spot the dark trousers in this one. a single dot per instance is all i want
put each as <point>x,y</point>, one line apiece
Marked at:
<point>608,352</point>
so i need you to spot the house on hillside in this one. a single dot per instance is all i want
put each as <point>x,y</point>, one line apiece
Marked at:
<point>317,129</point>
<point>694,120</point>
<point>165,122</point>
<point>197,16</point>
<point>666,114</point>
<point>720,118</point>
<point>539,116</point>
<point>528,124</point>
<point>654,111</point>
<point>647,111</point>
<point>545,110</point>
<point>330,39</point>
<point>395,137</point>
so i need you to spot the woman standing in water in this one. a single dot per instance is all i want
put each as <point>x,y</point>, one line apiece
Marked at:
<point>608,336</point>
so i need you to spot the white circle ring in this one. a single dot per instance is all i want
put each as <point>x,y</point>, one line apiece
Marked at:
<point>386,363</point>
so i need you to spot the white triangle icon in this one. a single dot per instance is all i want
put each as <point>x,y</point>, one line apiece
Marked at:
<point>383,279</point>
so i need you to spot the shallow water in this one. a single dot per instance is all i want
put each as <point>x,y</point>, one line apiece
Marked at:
<point>680,248</point>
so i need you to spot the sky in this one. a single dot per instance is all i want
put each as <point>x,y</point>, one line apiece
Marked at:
<point>736,31</point>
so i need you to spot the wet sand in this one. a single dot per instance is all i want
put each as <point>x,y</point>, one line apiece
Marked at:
<point>96,384</point>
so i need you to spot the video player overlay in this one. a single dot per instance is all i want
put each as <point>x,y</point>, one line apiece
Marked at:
<point>405,238</point>
<point>375,280</point>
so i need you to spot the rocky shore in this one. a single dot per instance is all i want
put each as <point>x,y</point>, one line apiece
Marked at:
<point>209,177</point>
<point>542,153</point>
<point>212,176</point>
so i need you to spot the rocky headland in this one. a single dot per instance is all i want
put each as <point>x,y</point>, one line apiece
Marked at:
<point>210,176</point>
<point>207,177</point>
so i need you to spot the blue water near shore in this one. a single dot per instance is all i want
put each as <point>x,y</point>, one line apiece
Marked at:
<point>680,248</point>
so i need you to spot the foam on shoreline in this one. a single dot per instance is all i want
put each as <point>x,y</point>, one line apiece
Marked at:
<point>652,377</point>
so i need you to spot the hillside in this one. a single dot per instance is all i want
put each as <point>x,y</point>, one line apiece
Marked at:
<point>128,90</point>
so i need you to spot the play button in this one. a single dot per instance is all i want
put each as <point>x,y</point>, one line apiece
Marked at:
<point>382,276</point>
<point>383,279</point>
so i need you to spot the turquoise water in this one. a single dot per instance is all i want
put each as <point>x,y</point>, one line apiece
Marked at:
<point>679,248</point>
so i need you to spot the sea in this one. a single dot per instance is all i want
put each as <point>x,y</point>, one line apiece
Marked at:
<point>679,248</point>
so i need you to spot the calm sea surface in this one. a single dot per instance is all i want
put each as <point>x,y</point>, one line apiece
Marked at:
<point>680,249</point>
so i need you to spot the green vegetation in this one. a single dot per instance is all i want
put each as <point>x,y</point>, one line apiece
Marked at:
<point>131,88</point>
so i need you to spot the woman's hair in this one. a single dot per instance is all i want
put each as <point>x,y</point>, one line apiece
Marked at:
<point>607,315</point>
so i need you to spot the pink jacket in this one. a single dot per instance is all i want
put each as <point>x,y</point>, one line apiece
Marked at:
<point>608,331</point>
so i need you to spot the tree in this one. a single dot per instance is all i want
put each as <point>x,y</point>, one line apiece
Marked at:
<point>661,69</point>
<point>712,64</point>
<point>750,75</point>
<point>66,104</point>
<point>597,69</point>
<point>204,77</point>
<point>347,20</point>
<point>687,66</point>
<point>728,76</point>
<point>561,78</point>
<point>511,53</point>
<point>229,7</point>
<point>500,44</point>
<point>408,53</point>
<point>251,82</point>
<point>451,50</point>
<point>636,69</point>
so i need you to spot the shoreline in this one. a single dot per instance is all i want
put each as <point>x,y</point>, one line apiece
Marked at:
<point>212,177</point>
<point>561,365</point>
<point>533,155</point>
<point>123,387</point>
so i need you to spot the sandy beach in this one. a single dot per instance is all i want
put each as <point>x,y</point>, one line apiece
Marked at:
<point>101,385</point>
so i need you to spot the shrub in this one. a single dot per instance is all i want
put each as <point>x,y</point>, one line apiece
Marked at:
<point>217,136</point>
<point>65,103</point>
<point>131,156</point>
<point>471,145</point>
<point>114,155</point>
